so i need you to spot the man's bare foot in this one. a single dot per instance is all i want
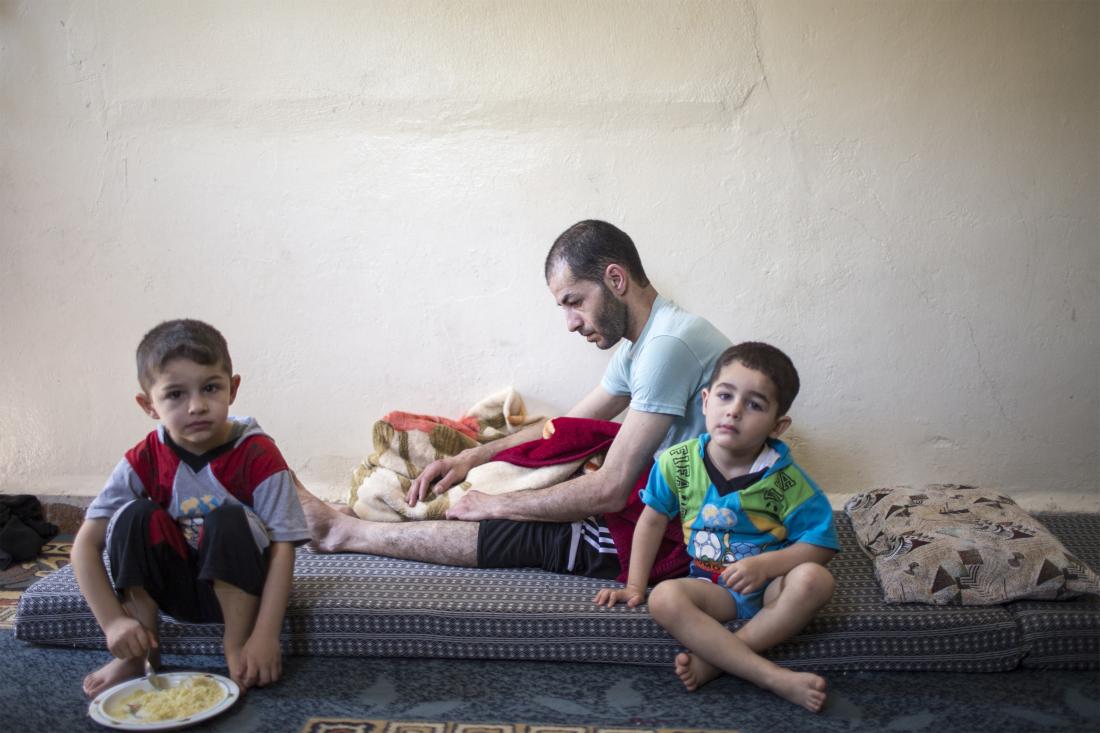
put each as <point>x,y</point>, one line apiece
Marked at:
<point>327,527</point>
<point>111,673</point>
<point>801,688</point>
<point>694,671</point>
<point>342,508</point>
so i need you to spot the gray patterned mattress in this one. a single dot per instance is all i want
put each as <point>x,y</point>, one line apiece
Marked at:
<point>362,605</point>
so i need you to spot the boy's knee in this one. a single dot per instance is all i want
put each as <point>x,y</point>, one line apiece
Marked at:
<point>134,520</point>
<point>138,508</point>
<point>227,517</point>
<point>810,580</point>
<point>665,601</point>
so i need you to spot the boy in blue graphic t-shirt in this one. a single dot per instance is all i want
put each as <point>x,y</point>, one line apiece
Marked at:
<point>758,530</point>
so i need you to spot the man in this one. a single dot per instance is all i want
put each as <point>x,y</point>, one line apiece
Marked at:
<point>596,276</point>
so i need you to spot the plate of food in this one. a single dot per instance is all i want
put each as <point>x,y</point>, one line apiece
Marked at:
<point>186,698</point>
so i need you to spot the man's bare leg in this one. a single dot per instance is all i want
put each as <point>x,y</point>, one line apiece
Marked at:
<point>443,542</point>
<point>694,612</point>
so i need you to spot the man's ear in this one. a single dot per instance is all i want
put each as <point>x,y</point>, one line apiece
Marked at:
<point>146,405</point>
<point>616,279</point>
<point>234,385</point>
<point>781,426</point>
<point>706,394</point>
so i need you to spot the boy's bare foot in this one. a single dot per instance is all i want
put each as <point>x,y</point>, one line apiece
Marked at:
<point>801,688</point>
<point>694,671</point>
<point>233,662</point>
<point>111,673</point>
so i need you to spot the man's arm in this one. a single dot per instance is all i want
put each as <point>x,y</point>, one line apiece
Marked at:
<point>600,405</point>
<point>446,472</point>
<point>442,474</point>
<point>605,490</point>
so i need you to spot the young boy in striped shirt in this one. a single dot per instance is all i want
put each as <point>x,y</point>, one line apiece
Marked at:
<point>199,519</point>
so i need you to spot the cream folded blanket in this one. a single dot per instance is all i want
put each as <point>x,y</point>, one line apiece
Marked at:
<point>404,443</point>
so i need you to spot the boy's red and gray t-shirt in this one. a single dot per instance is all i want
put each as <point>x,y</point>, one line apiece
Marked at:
<point>248,470</point>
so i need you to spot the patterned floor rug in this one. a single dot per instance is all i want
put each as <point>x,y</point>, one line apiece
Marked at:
<point>18,577</point>
<point>566,697</point>
<point>349,725</point>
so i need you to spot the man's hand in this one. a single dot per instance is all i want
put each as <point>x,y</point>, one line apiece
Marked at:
<point>610,596</point>
<point>128,639</point>
<point>473,507</point>
<point>445,473</point>
<point>259,664</point>
<point>747,575</point>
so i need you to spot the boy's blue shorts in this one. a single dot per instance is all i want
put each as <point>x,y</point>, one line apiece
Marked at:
<point>748,605</point>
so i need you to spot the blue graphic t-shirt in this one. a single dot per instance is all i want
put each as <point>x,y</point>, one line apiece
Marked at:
<point>783,507</point>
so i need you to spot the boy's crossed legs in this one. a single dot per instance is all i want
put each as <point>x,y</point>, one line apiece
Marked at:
<point>138,563</point>
<point>239,612</point>
<point>694,612</point>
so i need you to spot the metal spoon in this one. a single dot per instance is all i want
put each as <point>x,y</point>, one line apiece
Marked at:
<point>151,675</point>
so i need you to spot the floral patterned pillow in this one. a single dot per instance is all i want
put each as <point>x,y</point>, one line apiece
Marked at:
<point>960,545</point>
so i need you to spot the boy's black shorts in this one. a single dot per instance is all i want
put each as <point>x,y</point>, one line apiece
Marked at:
<point>576,548</point>
<point>146,548</point>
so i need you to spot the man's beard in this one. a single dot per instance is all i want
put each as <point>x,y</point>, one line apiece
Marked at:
<point>611,321</point>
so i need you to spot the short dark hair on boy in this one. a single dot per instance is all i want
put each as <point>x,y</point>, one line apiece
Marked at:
<point>765,358</point>
<point>589,246</point>
<point>184,338</point>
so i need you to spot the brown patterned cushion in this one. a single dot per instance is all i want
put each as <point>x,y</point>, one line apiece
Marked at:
<point>960,545</point>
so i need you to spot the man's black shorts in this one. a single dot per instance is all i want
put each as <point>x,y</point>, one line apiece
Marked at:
<point>576,548</point>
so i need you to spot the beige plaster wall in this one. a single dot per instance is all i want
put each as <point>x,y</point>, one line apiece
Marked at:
<point>903,195</point>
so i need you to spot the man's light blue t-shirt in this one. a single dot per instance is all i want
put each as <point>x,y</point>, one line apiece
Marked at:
<point>665,370</point>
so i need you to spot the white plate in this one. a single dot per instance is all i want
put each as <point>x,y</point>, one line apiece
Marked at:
<point>105,701</point>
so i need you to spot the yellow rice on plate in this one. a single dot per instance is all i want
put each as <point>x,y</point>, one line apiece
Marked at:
<point>188,698</point>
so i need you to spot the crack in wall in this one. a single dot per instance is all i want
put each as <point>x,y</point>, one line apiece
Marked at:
<point>755,34</point>
<point>990,382</point>
<point>927,299</point>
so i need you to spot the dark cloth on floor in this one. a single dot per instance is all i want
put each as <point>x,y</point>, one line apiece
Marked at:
<point>23,529</point>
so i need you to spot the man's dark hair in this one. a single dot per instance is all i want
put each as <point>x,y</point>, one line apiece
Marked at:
<point>589,246</point>
<point>765,358</point>
<point>180,339</point>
